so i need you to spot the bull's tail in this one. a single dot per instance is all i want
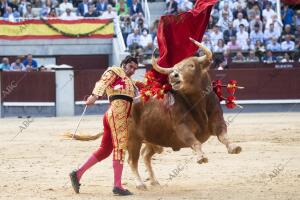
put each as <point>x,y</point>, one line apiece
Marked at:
<point>82,137</point>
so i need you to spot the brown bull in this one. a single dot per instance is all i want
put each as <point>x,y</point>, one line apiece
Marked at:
<point>195,115</point>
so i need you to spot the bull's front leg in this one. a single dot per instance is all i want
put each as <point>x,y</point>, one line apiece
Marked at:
<point>222,135</point>
<point>189,139</point>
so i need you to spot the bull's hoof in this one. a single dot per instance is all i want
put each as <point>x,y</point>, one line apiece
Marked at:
<point>141,187</point>
<point>155,183</point>
<point>202,160</point>
<point>233,149</point>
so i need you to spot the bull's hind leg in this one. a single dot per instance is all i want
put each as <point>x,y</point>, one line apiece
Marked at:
<point>148,151</point>
<point>134,147</point>
<point>222,135</point>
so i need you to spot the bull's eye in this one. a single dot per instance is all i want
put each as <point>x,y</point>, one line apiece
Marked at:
<point>191,66</point>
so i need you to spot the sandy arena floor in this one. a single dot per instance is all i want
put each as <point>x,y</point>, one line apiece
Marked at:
<point>36,164</point>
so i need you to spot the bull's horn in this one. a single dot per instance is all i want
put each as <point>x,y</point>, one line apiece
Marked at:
<point>207,52</point>
<point>158,68</point>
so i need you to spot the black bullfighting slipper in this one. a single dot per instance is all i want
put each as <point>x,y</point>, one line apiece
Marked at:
<point>74,181</point>
<point>121,192</point>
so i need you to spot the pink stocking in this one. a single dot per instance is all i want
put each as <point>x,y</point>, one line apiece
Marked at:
<point>88,164</point>
<point>118,169</point>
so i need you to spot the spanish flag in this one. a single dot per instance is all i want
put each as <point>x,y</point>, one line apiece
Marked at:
<point>56,29</point>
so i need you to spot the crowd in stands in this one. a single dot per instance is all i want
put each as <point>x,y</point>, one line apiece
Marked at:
<point>251,31</point>
<point>242,30</point>
<point>26,63</point>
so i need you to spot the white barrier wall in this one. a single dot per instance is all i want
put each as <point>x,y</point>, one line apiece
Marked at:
<point>64,78</point>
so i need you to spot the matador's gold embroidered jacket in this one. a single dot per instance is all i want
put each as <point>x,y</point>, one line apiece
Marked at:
<point>115,82</point>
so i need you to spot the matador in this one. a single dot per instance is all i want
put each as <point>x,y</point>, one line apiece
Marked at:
<point>121,90</point>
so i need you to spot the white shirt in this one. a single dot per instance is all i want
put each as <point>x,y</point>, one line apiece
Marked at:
<point>72,16</point>
<point>237,22</point>
<point>145,40</point>
<point>268,35</point>
<point>242,37</point>
<point>215,37</point>
<point>63,6</point>
<point>107,15</point>
<point>288,46</point>
<point>268,14</point>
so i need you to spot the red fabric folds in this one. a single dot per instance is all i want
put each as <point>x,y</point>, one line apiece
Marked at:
<point>174,32</point>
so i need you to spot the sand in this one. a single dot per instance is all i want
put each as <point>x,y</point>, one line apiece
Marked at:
<point>36,163</point>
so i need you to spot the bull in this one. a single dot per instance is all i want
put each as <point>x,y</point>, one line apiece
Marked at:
<point>195,115</point>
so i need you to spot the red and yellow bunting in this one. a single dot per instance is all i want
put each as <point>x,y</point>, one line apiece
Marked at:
<point>56,29</point>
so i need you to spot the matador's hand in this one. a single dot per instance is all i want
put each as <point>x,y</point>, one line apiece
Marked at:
<point>91,100</point>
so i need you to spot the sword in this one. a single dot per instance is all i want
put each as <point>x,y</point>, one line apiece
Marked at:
<point>79,121</point>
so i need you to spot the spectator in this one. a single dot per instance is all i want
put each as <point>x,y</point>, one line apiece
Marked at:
<point>91,12</point>
<point>256,21</point>
<point>233,45</point>
<point>83,8</point>
<point>134,39</point>
<point>121,8</point>
<point>242,35</point>
<point>136,8</point>
<point>17,65</point>
<point>269,58</point>
<point>5,64</point>
<point>172,7</point>
<point>227,10</point>
<point>224,21</point>
<point>288,44</point>
<point>64,5</point>
<point>227,34</point>
<point>224,2</point>
<point>109,14</point>
<point>277,23</point>
<point>240,20</point>
<point>257,11</point>
<point>215,35</point>
<point>22,8</point>
<point>10,15</point>
<point>44,12</point>
<point>52,13</point>
<point>29,14</point>
<point>288,31</point>
<point>140,24</point>
<point>146,40</point>
<point>207,42</point>
<point>248,46</point>
<point>185,5</point>
<point>268,12</point>
<point>225,60</point>
<point>155,44</point>
<point>68,15</point>
<point>153,28</point>
<point>252,57</point>
<point>101,6</point>
<point>271,33</point>
<point>274,45</point>
<point>30,63</point>
<point>239,9</point>
<point>259,48</point>
<point>251,3</point>
<point>286,58</point>
<point>126,28</point>
<point>239,57</point>
<point>297,18</point>
<point>287,15</point>
<point>219,47</point>
<point>256,35</point>
<point>4,4</point>
<point>297,32</point>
